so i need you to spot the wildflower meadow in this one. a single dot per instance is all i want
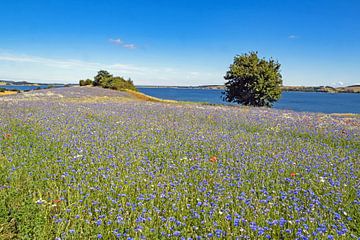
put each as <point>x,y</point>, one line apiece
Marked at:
<point>91,163</point>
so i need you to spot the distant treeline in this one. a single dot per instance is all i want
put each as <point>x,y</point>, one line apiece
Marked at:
<point>106,80</point>
<point>328,89</point>
<point>25,83</point>
<point>8,82</point>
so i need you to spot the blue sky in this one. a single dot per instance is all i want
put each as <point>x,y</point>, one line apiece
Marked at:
<point>178,42</point>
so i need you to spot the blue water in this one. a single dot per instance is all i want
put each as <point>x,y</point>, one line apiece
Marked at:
<point>27,88</point>
<point>23,87</point>
<point>297,101</point>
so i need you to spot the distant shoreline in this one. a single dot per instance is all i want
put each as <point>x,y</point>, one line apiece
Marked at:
<point>4,83</point>
<point>326,89</point>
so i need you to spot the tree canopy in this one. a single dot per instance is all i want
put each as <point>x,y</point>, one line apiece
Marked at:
<point>86,82</point>
<point>101,77</point>
<point>253,81</point>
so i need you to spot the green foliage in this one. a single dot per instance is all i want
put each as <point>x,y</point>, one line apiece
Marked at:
<point>82,83</point>
<point>118,83</point>
<point>85,82</point>
<point>107,80</point>
<point>88,82</point>
<point>253,81</point>
<point>101,77</point>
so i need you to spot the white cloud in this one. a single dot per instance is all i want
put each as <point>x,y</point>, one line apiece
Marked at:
<point>64,63</point>
<point>58,63</point>
<point>293,37</point>
<point>116,41</point>
<point>42,69</point>
<point>338,84</point>
<point>129,46</point>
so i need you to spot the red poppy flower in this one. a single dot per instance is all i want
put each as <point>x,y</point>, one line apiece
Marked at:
<point>292,174</point>
<point>7,135</point>
<point>213,159</point>
<point>56,201</point>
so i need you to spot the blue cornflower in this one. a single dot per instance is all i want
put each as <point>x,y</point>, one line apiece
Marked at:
<point>261,231</point>
<point>253,226</point>
<point>282,222</point>
<point>236,222</point>
<point>218,233</point>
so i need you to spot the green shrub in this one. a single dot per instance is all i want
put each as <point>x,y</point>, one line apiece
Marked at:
<point>106,80</point>
<point>86,82</point>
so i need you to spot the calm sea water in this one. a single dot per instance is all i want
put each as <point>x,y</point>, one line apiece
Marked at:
<point>23,87</point>
<point>297,101</point>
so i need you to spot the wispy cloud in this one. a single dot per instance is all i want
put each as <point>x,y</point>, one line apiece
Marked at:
<point>338,84</point>
<point>118,41</point>
<point>67,63</point>
<point>293,37</point>
<point>129,46</point>
<point>70,70</point>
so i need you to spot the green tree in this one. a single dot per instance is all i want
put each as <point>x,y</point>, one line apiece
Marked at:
<point>88,82</point>
<point>106,80</point>
<point>253,81</point>
<point>101,77</point>
<point>119,83</point>
<point>85,82</point>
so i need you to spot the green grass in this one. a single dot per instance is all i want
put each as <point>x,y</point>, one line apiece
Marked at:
<point>76,168</point>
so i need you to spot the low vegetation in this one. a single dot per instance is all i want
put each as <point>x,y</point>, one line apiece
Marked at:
<point>4,92</point>
<point>106,80</point>
<point>140,169</point>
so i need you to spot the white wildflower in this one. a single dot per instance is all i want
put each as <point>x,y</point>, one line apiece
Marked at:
<point>40,201</point>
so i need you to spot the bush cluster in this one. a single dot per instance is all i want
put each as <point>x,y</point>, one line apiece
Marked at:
<point>85,82</point>
<point>106,80</point>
